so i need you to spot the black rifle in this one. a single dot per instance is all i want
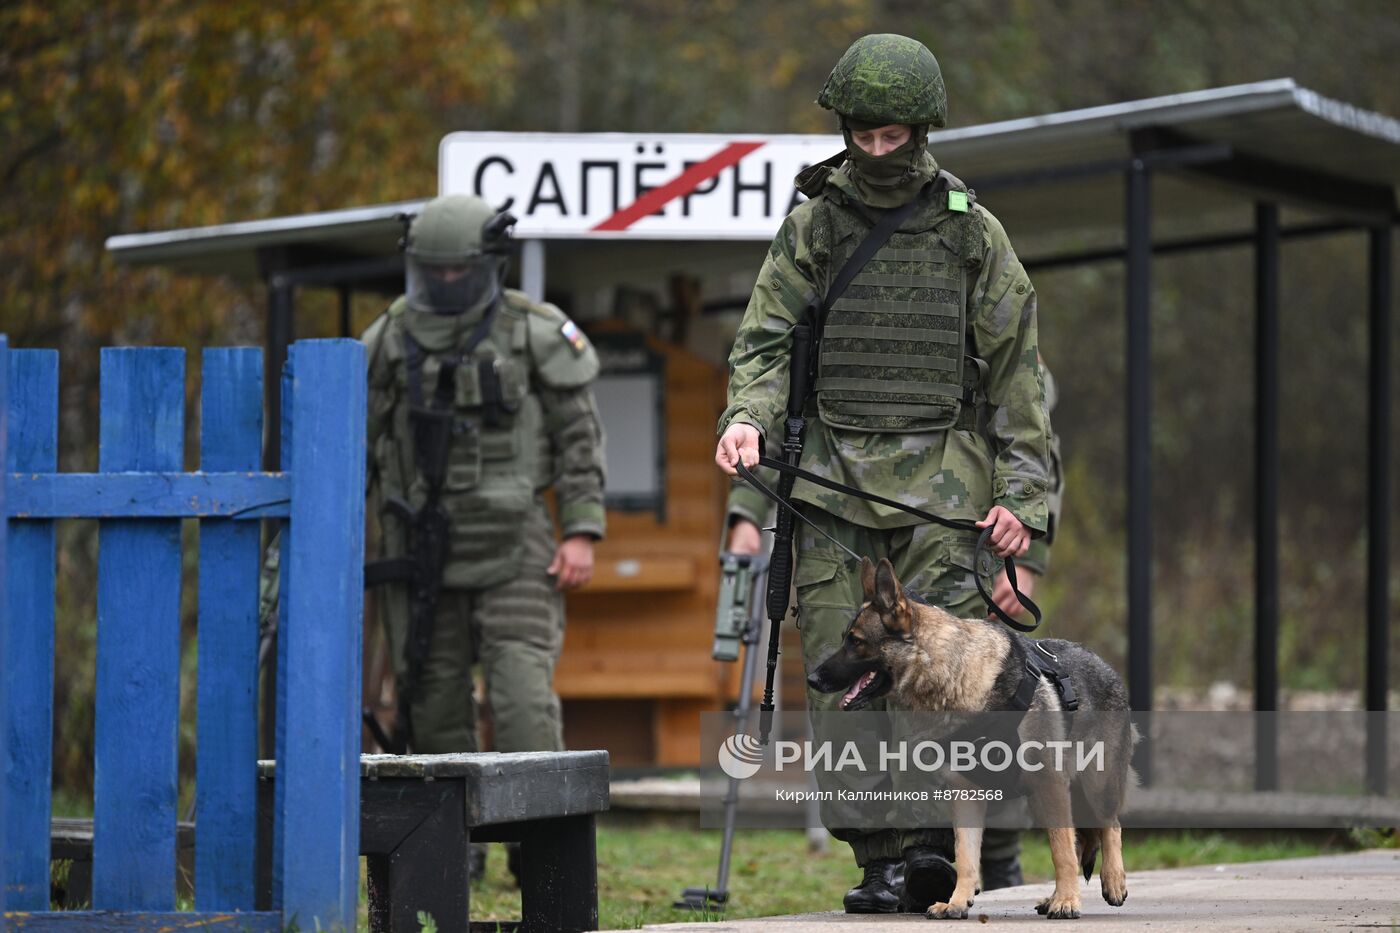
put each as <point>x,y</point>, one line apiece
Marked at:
<point>429,529</point>
<point>780,564</point>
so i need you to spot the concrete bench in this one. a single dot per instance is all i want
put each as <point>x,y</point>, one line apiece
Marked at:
<point>419,815</point>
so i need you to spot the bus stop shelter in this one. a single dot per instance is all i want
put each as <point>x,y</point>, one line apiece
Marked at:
<point>1252,164</point>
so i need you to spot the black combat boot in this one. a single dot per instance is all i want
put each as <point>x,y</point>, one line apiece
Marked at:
<point>1001,873</point>
<point>878,891</point>
<point>929,878</point>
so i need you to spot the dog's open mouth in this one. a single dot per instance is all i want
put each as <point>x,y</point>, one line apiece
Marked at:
<point>870,686</point>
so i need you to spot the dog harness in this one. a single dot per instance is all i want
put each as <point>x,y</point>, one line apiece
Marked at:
<point>1040,663</point>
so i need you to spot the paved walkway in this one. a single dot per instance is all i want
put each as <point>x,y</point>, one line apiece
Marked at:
<point>1359,891</point>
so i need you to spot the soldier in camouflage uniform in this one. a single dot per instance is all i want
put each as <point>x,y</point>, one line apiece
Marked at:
<point>929,390</point>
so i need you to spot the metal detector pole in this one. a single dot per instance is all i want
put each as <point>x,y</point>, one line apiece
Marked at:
<point>718,896</point>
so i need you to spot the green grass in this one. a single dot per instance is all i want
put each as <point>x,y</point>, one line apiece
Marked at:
<point>642,870</point>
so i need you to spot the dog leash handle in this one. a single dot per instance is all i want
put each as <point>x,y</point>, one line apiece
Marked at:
<point>1024,600</point>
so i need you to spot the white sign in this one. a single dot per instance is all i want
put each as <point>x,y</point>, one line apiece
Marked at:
<point>663,187</point>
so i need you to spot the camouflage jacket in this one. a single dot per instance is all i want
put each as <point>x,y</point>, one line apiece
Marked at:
<point>955,473</point>
<point>1037,557</point>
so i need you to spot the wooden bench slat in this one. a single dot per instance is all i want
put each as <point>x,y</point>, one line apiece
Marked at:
<point>501,787</point>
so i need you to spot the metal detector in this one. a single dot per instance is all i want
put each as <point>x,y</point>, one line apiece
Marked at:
<point>737,622</point>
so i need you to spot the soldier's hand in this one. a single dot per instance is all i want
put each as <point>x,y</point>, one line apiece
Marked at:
<point>739,442</point>
<point>1009,537</point>
<point>573,562</point>
<point>1003,596</point>
<point>745,537</point>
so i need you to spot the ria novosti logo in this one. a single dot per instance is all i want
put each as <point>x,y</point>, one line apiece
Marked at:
<point>740,756</point>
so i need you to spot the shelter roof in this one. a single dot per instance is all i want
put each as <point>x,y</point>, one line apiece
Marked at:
<point>1047,177</point>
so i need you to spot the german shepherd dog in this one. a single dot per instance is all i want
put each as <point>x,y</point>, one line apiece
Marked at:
<point>929,660</point>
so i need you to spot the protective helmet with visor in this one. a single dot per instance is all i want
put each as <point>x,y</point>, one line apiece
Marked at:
<point>455,255</point>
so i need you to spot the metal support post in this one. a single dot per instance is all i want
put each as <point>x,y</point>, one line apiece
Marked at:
<point>1378,511</point>
<point>1266,292</point>
<point>1139,436</point>
<point>532,268</point>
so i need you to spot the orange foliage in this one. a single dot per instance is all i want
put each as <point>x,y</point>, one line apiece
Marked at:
<point>156,114</point>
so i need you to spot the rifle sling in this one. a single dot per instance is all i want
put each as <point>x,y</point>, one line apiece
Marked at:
<point>878,236</point>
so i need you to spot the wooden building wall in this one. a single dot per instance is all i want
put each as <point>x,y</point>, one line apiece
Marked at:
<point>636,671</point>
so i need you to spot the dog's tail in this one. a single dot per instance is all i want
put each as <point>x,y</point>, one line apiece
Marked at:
<point>1088,842</point>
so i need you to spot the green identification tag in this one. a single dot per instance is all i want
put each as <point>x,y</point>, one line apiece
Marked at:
<point>957,201</point>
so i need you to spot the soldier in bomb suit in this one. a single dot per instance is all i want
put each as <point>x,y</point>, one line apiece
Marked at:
<point>501,386</point>
<point>523,419</point>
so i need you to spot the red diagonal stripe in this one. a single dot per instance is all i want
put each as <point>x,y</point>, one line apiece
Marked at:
<point>682,184</point>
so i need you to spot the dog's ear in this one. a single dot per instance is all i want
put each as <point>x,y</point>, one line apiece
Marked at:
<point>887,595</point>
<point>867,578</point>
<point>889,600</point>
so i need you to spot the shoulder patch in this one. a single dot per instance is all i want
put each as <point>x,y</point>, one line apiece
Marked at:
<point>575,338</point>
<point>563,356</point>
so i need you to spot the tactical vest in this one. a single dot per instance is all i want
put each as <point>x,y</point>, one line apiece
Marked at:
<point>498,455</point>
<point>893,346</point>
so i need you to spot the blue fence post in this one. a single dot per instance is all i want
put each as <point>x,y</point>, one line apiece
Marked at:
<point>226,761</point>
<point>4,604</point>
<point>280,656</point>
<point>28,770</point>
<point>138,640</point>
<point>318,782</point>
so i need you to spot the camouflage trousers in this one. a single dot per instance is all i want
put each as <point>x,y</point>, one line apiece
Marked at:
<point>935,562</point>
<point>515,631</point>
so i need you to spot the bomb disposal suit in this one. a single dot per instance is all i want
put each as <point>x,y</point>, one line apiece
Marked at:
<point>519,417</point>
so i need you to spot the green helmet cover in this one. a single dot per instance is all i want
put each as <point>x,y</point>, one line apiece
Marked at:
<point>448,230</point>
<point>884,79</point>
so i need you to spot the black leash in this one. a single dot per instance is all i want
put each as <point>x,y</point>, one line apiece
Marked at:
<point>956,524</point>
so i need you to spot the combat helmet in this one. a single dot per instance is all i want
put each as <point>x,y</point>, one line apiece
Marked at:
<point>887,78</point>
<point>455,252</point>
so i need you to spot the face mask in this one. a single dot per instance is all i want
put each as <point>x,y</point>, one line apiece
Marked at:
<point>892,169</point>
<point>465,289</point>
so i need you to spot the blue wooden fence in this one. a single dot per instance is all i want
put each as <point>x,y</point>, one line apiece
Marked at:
<point>140,496</point>
<point>4,606</point>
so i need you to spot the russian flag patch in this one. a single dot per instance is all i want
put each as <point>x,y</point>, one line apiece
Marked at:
<point>574,336</point>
